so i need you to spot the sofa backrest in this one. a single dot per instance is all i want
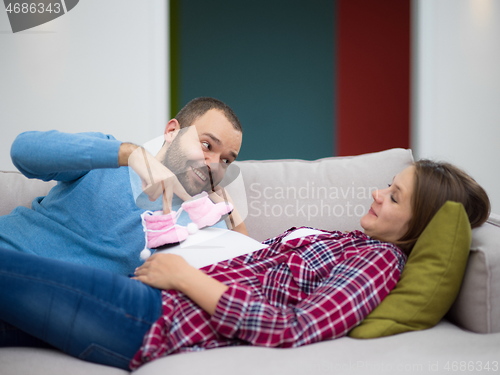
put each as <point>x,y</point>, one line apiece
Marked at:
<point>17,190</point>
<point>331,193</point>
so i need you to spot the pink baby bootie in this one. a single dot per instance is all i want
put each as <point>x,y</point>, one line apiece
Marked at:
<point>161,229</point>
<point>205,213</point>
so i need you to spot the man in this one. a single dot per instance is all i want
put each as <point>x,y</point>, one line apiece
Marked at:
<point>91,216</point>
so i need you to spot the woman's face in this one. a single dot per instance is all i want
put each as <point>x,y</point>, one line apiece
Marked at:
<point>390,213</point>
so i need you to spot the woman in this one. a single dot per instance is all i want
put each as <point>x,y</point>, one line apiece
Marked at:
<point>306,286</point>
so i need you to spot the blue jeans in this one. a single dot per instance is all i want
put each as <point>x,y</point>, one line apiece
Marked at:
<point>90,314</point>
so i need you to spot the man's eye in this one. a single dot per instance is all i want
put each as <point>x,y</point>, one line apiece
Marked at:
<point>206,145</point>
<point>226,161</point>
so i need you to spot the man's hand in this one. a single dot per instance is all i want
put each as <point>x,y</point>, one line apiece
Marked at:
<point>156,178</point>
<point>234,221</point>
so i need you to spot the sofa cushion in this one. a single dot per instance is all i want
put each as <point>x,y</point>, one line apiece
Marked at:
<point>477,307</point>
<point>440,350</point>
<point>38,361</point>
<point>430,280</point>
<point>331,193</point>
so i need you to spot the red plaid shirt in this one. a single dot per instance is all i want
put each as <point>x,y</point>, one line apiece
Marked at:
<point>288,294</point>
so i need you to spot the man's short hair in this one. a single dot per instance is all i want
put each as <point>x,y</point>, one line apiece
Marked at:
<point>199,106</point>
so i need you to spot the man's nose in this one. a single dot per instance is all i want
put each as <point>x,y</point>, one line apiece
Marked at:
<point>214,162</point>
<point>212,159</point>
<point>210,156</point>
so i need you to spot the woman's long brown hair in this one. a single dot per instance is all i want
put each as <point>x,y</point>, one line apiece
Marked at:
<point>436,183</point>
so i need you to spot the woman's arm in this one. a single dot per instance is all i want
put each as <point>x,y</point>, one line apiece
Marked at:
<point>355,287</point>
<point>169,271</point>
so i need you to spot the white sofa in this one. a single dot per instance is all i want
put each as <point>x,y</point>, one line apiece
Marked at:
<point>330,193</point>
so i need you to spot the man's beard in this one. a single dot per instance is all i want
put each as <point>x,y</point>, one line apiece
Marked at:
<point>177,162</point>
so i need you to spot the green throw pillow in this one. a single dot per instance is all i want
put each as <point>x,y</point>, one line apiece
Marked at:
<point>430,281</point>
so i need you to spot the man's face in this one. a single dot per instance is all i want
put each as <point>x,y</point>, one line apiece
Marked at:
<point>203,151</point>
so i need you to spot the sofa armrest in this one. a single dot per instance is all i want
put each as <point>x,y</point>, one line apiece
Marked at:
<point>477,307</point>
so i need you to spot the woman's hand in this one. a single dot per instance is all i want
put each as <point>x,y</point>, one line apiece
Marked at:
<point>164,271</point>
<point>169,271</point>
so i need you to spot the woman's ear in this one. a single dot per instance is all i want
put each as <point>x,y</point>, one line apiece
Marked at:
<point>171,130</point>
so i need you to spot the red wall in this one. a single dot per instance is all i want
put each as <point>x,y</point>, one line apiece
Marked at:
<point>373,75</point>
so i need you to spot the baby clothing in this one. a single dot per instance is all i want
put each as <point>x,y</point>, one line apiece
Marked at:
<point>162,229</point>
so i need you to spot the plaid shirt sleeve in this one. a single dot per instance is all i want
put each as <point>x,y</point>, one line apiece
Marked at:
<point>354,288</point>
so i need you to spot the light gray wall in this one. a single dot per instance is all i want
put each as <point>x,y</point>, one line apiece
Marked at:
<point>100,67</point>
<point>103,67</point>
<point>456,86</point>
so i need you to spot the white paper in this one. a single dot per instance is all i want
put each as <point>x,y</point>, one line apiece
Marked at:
<point>212,245</point>
<point>301,232</point>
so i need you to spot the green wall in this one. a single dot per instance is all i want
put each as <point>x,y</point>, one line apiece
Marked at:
<point>272,61</point>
